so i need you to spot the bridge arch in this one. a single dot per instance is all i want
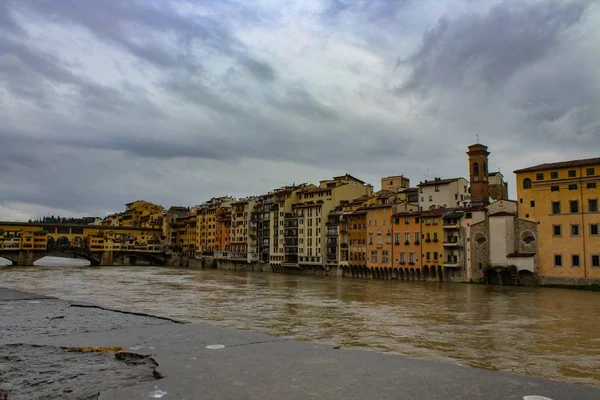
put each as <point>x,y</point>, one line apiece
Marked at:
<point>63,242</point>
<point>77,242</point>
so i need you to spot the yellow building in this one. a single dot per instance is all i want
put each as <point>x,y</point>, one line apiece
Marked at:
<point>432,243</point>
<point>562,198</point>
<point>47,236</point>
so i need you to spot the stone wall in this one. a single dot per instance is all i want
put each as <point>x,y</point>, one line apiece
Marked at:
<point>522,228</point>
<point>480,253</point>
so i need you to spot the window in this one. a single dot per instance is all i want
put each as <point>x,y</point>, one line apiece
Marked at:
<point>417,237</point>
<point>397,238</point>
<point>557,230</point>
<point>593,205</point>
<point>554,188</point>
<point>406,237</point>
<point>558,261</point>
<point>554,175</point>
<point>574,206</point>
<point>594,229</point>
<point>406,221</point>
<point>528,239</point>
<point>590,172</point>
<point>370,237</point>
<point>385,258</point>
<point>480,238</point>
<point>526,183</point>
<point>556,207</point>
<point>575,261</point>
<point>428,256</point>
<point>539,177</point>
<point>435,255</point>
<point>573,186</point>
<point>532,203</point>
<point>402,258</point>
<point>411,258</point>
<point>595,260</point>
<point>374,256</point>
<point>591,185</point>
<point>575,230</point>
<point>430,198</point>
<point>572,173</point>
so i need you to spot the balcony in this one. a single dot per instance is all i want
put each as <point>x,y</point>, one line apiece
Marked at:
<point>450,223</point>
<point>344,245</point>
<point>452,242</point>
<point>332,232</point>
<point>452,262</point>
<point>290,233</point>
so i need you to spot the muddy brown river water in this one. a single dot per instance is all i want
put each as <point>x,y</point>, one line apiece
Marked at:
<point>551,333</point>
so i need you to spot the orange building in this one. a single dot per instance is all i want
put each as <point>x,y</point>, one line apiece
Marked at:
<point>406,254</point>
<point>223,229</point>
<point>357,236</point>
<point>379,239</point>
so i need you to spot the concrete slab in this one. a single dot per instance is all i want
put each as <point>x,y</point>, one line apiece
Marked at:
<point>250,365</point>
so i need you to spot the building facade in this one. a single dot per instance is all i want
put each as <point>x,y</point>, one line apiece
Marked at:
<point>562,198</point>
<point>445,193</point>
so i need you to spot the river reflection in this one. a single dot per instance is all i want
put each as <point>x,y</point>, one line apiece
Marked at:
<point>553,333</point>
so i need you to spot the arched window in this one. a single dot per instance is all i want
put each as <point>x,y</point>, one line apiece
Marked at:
<point>528,238</point>
<point>480,238</point>
<point>475,170</point>
<point>526,183</point>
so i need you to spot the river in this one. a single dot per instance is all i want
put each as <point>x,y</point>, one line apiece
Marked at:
<point>546,332</point>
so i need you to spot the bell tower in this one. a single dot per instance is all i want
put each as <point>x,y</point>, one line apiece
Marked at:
<point>478,174</point>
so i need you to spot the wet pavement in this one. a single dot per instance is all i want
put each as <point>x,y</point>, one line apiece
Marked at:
<point>198,360</point>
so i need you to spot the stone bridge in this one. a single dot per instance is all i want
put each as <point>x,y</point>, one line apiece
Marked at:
<point>107,258</point>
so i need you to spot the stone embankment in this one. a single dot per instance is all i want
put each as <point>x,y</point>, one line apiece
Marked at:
<point>51,348</point>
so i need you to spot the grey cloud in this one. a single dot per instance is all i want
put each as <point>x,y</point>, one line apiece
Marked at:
<point>299,101</point>
<point>119,23</point>
<point>489,48</point>
<point>33,75</point>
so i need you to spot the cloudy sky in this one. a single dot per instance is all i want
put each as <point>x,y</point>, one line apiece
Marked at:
<point>105,102</point>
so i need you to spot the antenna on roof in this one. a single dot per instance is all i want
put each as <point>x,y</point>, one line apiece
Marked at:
<point>477,137</point>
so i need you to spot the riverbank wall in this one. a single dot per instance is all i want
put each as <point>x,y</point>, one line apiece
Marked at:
<point>71,350</point>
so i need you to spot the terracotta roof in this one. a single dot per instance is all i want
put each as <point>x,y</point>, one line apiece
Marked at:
<point>408,214</point>
<point>438,182</point>
<point>502,214</point>
<point>438,212</point>
<point>561,164</point>
<point>348,176</point>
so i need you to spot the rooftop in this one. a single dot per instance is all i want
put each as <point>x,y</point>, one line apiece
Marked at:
<point>561,164</point>
<point>438,181</point>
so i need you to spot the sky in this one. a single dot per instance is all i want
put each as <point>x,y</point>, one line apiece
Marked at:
<point>174,102</point>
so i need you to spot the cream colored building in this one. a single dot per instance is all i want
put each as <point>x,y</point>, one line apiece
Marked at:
<point>446,193</point>
<point>242,243</point>
<point>283,224</point>
<point>312,209</point>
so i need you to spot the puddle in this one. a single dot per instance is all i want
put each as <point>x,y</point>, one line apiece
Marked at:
<point>157,393</point>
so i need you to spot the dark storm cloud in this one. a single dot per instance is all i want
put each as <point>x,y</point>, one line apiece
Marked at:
<point>489,48</point>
